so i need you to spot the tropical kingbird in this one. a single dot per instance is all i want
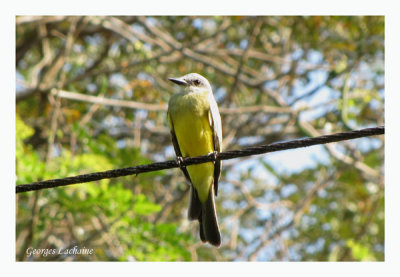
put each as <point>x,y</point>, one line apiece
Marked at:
<point>196,130</point>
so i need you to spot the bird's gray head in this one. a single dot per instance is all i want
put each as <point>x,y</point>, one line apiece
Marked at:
<point>193,81</point>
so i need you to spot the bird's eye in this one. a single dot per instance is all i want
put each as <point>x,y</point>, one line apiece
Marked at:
<point>196,82</point>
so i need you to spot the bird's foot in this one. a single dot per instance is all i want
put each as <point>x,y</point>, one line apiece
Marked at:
<point>214,155</point>
<point>179,160</point>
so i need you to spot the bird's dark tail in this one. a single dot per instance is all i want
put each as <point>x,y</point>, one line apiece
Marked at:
<point>206,214</point>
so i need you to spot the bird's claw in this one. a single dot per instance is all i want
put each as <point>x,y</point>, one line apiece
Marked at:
<point>179,160</point>
<point>214,155</point>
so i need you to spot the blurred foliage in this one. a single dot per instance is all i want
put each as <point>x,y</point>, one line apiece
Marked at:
<point>274,78</point>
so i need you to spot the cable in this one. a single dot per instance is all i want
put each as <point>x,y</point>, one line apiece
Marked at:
<point>254,150</point>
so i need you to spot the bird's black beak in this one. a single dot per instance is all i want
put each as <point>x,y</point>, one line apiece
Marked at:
<point>178,81</point>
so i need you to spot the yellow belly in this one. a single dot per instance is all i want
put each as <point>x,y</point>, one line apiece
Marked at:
<point>195,138</point>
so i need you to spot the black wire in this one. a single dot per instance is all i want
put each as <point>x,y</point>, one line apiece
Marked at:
<point>255,150</point>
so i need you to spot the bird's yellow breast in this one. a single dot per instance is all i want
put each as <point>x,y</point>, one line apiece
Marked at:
<point>189,115</point>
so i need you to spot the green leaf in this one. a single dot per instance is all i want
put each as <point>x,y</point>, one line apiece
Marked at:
<point>359,251</point>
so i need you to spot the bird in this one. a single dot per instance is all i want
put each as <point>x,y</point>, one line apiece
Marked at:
<point>196,130</point>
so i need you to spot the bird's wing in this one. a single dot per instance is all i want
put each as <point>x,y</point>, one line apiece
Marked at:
<point>177,149</point>
<point>216,126</point>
